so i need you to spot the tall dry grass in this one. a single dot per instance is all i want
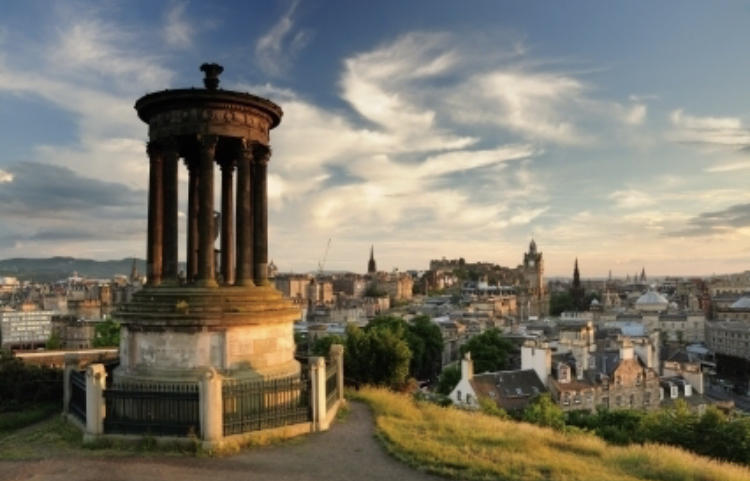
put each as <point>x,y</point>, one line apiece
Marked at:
<point>470,445</point>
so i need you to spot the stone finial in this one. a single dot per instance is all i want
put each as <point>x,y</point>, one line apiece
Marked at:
<point>212,71</point>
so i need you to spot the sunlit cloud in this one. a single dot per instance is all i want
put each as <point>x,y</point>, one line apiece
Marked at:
<point>276,50</point>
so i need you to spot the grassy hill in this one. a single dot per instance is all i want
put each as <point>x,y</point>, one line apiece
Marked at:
<point>470,445</point>
<point>56,268</point>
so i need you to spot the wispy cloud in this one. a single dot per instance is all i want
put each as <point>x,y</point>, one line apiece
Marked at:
<point>724,132</point>
<point>718,222</point>
<point>276,50</point>
<point>178,31</point>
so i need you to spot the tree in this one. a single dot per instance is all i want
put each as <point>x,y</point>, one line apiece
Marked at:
<point>375,355</point>
<point>544,412</point>
<point>426,343</point>
<point>489,351</point>
<point>53,342</point>
<point>559,302</point>
<point>322,345</point>
<point>423,338</point>
<point>448,379</point>
<point>107,334</point>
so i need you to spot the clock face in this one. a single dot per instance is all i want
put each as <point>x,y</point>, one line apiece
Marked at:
<point>531,263</point>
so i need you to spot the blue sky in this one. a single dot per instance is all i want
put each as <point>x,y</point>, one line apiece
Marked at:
<point>612,132</point>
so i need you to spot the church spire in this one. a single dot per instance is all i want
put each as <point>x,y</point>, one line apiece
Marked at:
<point>371,266</point>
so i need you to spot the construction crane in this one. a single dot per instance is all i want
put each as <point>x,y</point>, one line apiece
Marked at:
<point>322,261</point>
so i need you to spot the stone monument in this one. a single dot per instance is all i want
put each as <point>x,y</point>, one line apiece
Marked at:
<point>233,321</point>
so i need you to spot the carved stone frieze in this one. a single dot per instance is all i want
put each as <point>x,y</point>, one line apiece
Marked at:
<point>228,120</point>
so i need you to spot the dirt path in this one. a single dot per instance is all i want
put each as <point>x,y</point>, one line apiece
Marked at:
<point>347,452</point>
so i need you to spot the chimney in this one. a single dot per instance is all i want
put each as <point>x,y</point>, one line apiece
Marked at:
<point>467,367</point>
<point>626,350</point>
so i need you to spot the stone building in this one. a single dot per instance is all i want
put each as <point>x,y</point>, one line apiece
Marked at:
<point>585,374</point>
<point>25,329</point>
<point>729,338</point>
<point>509,390</point>
<point>74,332</point>
<point>533,298</point>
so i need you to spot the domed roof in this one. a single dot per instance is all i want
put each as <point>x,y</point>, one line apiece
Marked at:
<point>651,298</point>
<point>595,302</point>
<point>741,303</point>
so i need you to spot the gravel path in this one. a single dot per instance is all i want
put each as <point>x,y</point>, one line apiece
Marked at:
<point>349,451</point>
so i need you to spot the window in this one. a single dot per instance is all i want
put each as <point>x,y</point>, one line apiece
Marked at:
<point>458,394</point>
<point>618,401</point>
<point>632,400</point>
<point>638,379</point>
<point>646,398</point>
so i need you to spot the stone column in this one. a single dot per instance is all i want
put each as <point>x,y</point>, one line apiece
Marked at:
<point>337,358</point>
<point>70,364</point>
<point>227,221</point>
<point>244,275</point>
<point>206,268</point>
<point>170,160</point>
<point>155,215</point>
<point>191,161</point>
<point>318,392</point>
<point>96,382</point>
<point>211,412</point>
<point>261,156</point>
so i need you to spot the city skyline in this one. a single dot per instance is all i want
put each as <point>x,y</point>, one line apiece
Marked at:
<point>615,134</point>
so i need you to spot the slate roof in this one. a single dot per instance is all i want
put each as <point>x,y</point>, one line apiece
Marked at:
<point>509,389</point>
<point>741,303</point>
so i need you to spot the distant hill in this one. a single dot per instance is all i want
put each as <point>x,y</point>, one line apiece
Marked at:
<point>56,268</point>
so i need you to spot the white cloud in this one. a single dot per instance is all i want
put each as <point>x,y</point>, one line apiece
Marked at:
<point>631,198</point>
<point>5,177</point>
<point>730,167</point>
<point>274,51</point>
<point>178,31</point>
<point>636,114</point>
<point>726,132</point>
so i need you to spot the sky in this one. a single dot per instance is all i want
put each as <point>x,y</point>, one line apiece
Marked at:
<point>617,133</point>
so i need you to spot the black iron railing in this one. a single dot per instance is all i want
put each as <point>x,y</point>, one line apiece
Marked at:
<point>332,391</point>
<point>77,404</point>
<point>255,405</point>
<point>166,410</point>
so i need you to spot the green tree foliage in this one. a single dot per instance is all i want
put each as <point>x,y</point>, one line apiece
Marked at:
<point>322,345</point>
<point>53,342</point>
<point>490,407</point>
<point>423,338</point>
<point>22,385</point>
<point>711,434</point>
<point>375,356</point>
<point>448,379</point>
<point>426,345</point>
<point>107,334</point>
<point>622,426</point>
<point>489,351</point>
<point>544,412</point>
<point>559,302</point>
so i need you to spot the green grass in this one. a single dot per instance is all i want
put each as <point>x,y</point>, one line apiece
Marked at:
<point>474,446</point>
<point>13,420</point>
<point>56,437</point>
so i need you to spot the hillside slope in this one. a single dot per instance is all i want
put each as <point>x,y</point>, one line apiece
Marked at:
<point>56,268</point>
<point>469,445</point>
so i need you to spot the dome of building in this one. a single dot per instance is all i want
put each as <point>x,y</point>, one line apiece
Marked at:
<point>651,301</point>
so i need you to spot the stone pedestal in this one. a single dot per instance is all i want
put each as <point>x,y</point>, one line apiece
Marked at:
<point>175,334</point>
<point>96,382</point>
